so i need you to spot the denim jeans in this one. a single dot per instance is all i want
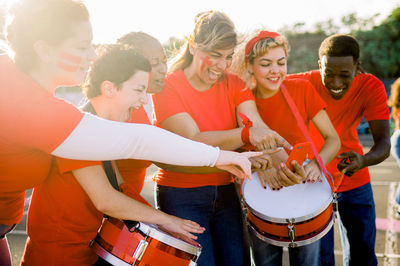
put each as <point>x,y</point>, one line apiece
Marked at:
<point>395,151</point>
<point>217,208</point>
<point>357,229</point>
<point>268,254</point>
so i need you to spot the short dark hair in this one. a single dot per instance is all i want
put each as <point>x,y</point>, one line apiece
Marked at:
<point>115,63</point>
<point>340,45</point>
<point>48,20</point>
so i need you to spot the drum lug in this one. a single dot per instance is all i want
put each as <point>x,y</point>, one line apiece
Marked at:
<point>291,232</point>
<point>141,248</point>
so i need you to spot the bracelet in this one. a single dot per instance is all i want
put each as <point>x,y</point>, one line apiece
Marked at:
<point>245,131</point>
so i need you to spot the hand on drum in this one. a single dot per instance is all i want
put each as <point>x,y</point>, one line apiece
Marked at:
<point>182,229</point>
<point>313,172</point>
<point>277,178</point>
<point>229,161</point>
<point>264,138</point>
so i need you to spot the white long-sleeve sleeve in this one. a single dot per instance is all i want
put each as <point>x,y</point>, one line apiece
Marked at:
<point>98,139</point>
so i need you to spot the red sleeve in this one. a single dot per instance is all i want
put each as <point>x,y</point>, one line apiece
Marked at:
<point>314,102</point>
<point>168,103</point>
<point>42,122</point>
<point>303,75</point>
<point>241,93</point>
<point>376,105</point>
<point>67,165</point>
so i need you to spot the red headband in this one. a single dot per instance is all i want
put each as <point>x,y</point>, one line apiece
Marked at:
<point>262,35</point>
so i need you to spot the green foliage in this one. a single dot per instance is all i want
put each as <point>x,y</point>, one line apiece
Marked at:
<point>380,47</point>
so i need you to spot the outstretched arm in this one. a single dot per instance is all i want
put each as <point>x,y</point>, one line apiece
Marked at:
<point>329,149</point>
<point>352,162</point>
<point>98,139</point>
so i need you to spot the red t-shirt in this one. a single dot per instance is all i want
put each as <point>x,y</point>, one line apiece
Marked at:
<point>62,218</point>
<point>277,114</point>
<point>212,110</point>
<point>365,98</point>
<point>33,123</point>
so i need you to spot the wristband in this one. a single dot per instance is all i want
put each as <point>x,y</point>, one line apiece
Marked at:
<point>245,131</point>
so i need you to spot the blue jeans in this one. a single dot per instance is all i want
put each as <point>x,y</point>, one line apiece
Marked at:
<point>268,254</point>
<point>217,208</point>
<point>395,151</point>
<point>357,229</point>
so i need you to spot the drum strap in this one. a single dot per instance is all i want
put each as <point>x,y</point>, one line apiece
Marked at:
<point>306,134</point>
<point>108,167</point>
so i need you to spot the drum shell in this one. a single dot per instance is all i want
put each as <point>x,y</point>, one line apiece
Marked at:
<point>308,227</point>
<point>120,244</point>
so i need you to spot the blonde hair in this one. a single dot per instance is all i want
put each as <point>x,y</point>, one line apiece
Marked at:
<point>394,98</point>
<point>260,48</point>
<point>213,30</point>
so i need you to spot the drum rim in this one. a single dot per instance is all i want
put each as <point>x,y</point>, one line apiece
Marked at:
<point>298,243</point>
<point>167,239</point>
<point>296,219</point>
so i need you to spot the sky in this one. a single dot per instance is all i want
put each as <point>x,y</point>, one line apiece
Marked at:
<point>166,18</point>
<point>163,19</point>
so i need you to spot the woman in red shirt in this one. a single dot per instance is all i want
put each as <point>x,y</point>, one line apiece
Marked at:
<point>35,125</point>
<point>200,101</point>
<point>66,210</point>
<point>263,60</point>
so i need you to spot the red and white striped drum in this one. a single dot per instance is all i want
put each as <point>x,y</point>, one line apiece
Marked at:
<point>293,216</point>
<point>142,245</point>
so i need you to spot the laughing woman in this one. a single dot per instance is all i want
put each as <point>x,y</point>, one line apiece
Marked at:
<point>264,59</point>
<point>200,101</point>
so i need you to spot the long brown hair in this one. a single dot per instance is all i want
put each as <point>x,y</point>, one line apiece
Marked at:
<point>213,30</point>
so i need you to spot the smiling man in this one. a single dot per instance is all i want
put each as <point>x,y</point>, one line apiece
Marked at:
<point>350,95</point>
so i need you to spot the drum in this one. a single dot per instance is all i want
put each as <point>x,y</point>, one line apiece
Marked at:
<point>293,216</point>
<point>142,245</point>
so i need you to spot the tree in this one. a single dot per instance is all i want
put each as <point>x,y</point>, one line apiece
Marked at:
<point>380,47</point>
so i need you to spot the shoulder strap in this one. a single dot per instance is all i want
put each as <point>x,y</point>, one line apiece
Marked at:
<point>306,134</point>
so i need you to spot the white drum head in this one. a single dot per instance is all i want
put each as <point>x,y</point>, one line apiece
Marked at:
<point>301,201</point>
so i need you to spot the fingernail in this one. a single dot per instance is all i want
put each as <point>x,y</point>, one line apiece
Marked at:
<point>265,187</point>
<point>304,181</point>
<point>273,188</point>
<point>281,165</point>
<point>313,181</point>
<point>320,181</point>
<point>308,181</point>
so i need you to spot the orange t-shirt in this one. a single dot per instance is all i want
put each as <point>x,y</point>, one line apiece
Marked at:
<point>212,110</point>
<point>62,218</point>
<point>365,98</point>
<point>277,114</point>
<point>33,123</point>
